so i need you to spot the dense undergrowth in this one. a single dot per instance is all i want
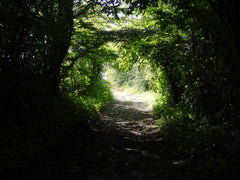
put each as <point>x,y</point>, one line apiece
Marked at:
<point>97,97</point>
<point>53,54</point>
<point>38,125</point>
<point>208,151</point>
<point>211,151</point>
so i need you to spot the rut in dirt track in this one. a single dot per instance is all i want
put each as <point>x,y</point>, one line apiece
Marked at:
<point>125,143</point>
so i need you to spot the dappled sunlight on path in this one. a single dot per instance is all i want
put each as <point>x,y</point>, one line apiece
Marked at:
<point>130,113</point>
<point>137,101</point>
<point>125,143</point>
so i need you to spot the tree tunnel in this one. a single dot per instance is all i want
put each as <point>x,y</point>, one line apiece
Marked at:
<point>53,54</point>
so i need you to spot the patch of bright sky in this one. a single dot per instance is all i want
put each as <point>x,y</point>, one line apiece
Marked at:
<point>121,24</point>
<point>125,20</point>
<point>110,23</point>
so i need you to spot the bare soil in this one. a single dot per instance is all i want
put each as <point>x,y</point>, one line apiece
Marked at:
<point>125,144</point>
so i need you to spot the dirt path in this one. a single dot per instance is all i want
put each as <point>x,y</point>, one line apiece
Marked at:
<point>125,144</point>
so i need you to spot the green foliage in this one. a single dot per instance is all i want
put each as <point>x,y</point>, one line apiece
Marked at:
<point>200,95</point>
<point>36,118</point>
<point>81,72</point>
<point>187,52</point>
<point>95,98</point>
<point>136,77</point>
<point>35,37</point>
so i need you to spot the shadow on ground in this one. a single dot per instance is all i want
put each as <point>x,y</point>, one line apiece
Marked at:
<point>125,143</point>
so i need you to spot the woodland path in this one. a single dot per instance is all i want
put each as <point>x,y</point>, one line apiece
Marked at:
<point>125,144</point>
